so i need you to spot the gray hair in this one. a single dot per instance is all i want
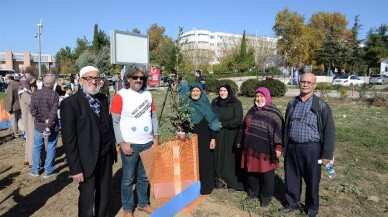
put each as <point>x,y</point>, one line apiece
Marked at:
<point>48,80</point>
<point>131,71</point>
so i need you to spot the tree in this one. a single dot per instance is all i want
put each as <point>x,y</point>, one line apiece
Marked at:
<point>96,42</point>
<point>156,38</point>
<point>81,45</point>
<point>64,61</point>
<point>357,52</point>
<point>87,58</point>
<point>100,39</point>
<point>136,30</point>
<point>102,61</point>
<point>293,44</point>
<point>376,46</point>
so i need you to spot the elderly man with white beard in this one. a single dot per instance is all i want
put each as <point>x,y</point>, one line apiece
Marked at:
<point>88,138</point>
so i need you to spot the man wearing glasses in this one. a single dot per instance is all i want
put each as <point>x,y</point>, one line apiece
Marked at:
<point>88,138</point>
<point>135,125</point>
<point>309,136</point>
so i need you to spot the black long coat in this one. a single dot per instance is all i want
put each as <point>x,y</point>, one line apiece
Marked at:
<point>227,157</point>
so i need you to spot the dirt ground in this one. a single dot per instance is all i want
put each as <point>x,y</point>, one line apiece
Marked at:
<point>22,195</point>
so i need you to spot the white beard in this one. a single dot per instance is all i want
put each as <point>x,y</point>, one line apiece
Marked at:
<point>91,92</point>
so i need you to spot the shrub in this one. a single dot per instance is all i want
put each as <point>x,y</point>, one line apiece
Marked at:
<point>232,84</point>
<point>324,89</point>
<point>212,85</point>
<point>362,89</point>
<point>249,87</point>
<point>275,87</point>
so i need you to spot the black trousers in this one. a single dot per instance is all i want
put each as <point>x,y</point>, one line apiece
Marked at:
<point>301,161</point>
<point>261,185</point>
<point>96,190</point>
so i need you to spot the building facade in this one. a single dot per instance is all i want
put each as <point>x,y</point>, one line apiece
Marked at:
<point>203,45</point>
<point>19,61</point>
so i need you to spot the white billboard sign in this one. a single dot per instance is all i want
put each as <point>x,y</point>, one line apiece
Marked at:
<point>128,47</point>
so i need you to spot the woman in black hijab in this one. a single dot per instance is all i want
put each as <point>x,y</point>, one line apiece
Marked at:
<point>227,158</point>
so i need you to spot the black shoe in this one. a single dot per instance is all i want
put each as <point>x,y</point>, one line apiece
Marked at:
<point>264,204</point>
<point>248,198</point>
<point>290,209</point>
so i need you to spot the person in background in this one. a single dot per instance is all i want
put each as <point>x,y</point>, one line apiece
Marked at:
<point>88,139</point>
<point>309,136</point>
<point>119,84</point>
<point>182,87</point>
<point>39,82</point>
<point>136,129</point>
<point>27,89</point>
<point>261,138</point>
<point>44,107</point>
<point>206,125</point>
<point>105,88</point>
<point>12,104</point>
<point>227,158</point>
<point>199,79</point>
<point>59,87</point>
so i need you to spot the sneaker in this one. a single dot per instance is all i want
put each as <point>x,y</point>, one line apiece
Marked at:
<point>33,173</point>
<point>48,175</point>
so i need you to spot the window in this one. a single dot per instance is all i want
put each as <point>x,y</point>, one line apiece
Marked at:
<point>2,56</point>
<point>17,57</point>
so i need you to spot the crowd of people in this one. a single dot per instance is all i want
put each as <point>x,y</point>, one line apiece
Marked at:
<point>235,151</point>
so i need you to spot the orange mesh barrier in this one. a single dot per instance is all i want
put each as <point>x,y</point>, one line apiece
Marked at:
<point>4,115</point>
<point>171,167</point>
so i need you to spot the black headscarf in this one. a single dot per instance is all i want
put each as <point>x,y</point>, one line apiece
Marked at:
<point>230,99</point>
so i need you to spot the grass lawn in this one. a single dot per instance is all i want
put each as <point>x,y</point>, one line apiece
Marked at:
<point>361,186</point>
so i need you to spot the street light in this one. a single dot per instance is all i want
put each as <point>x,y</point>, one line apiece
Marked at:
<point>37,35</point>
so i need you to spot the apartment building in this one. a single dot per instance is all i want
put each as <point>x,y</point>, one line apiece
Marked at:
<point>19,61</point>
<point>211,46</point>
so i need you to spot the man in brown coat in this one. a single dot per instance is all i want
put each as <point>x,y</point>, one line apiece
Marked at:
<point>12,104</point>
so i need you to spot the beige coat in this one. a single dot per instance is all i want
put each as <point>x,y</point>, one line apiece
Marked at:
<point>28,122</point>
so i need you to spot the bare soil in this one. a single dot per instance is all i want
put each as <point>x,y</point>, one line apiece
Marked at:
<point>22,195</point>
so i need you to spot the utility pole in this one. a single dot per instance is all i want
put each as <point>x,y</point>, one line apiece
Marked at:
<point>37,35</point>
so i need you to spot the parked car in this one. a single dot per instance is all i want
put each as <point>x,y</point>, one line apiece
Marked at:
<point>347,80</point>
<point>378,79</point>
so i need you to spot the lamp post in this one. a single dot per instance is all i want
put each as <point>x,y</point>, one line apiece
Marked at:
<point>37,35</point>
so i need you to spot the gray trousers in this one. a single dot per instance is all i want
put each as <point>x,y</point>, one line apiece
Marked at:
<point>15,116</point>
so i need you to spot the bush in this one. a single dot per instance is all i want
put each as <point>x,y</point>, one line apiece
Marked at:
<point>275,87</point>
<point>212,85</point>
<point>362,90</point>
<point>249,87</point>
<point>324,89</point>
<point>232,84</point>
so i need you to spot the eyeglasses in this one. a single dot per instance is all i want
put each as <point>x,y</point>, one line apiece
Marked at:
<point>306,82</point>
<point>139,77</point>
<point>90,79</point>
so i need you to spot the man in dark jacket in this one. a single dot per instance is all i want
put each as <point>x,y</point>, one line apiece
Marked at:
<point>12,104</point>
<point>309,136</point>
<point>88,138</point>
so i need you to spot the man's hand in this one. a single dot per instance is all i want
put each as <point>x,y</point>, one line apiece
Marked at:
<point>155,141</point>
<point>278,153</point>
<point>126,148</point>
<point>238,145</point>
<point>212,144</point>
<point>78,178</point>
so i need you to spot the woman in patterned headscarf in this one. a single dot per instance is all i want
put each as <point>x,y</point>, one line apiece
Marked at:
<point>261,138</point>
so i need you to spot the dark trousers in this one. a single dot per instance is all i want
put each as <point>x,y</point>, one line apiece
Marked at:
<point>95,191</point>
<point>261,185</point>
<point>301,162</point>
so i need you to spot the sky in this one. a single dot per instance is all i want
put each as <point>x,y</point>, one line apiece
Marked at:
<point>66,20</point>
